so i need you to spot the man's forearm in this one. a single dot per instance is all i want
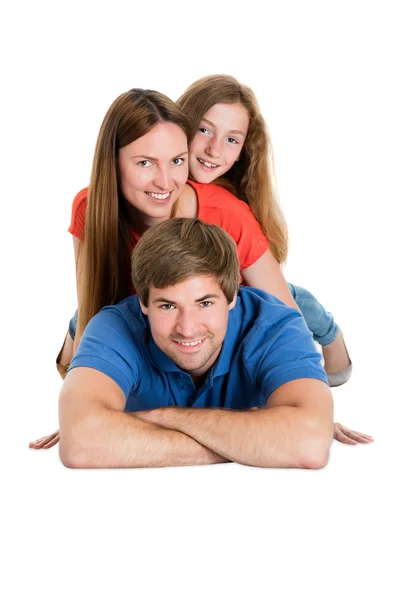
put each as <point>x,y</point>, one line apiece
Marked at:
<point>113,439</point>
<point>282,436</point>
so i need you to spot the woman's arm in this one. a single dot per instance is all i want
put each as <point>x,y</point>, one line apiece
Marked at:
<point>78,251</point>
<point>266,274</point>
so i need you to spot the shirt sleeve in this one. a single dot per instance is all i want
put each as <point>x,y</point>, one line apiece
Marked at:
<point>108,345</point>
<point>236,218</point>
<point>77,226</point>
<point>283,353</point>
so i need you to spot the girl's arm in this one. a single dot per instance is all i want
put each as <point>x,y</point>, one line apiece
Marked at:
<point>266,274</point>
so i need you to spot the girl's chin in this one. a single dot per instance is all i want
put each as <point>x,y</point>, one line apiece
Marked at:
<point>203,177</point>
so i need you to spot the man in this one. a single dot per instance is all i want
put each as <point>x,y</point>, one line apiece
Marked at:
<point>174,375</point>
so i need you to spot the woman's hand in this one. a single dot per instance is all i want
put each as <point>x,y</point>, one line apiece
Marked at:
<point>348,436</point>
<point>46,442</point>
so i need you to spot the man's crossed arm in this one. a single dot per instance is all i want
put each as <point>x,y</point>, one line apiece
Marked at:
<point>294,430</point>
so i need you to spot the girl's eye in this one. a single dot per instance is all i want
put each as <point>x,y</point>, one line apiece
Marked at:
<point>178,161</point>
<point>144,163</point>
<point>232,140</point>
<point>204,130</point>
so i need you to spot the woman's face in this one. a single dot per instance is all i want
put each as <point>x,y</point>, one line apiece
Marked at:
<point>218,141</point>
<point>152,172</point>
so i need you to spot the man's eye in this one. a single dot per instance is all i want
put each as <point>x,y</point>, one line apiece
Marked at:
<point>166,306</point>
<point>232,140</point>
<point>206,303</point>
<point>178,161</point>
<point>144,163</point>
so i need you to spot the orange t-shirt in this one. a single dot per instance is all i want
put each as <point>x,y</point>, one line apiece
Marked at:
<point>216,206</point>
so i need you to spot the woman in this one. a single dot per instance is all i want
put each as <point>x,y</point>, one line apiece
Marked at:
<point>138,179</point>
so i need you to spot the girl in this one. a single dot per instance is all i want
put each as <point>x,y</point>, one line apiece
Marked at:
<point>231,147</point>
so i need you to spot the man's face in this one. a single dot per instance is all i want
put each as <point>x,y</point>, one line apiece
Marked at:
<point>188,321</point>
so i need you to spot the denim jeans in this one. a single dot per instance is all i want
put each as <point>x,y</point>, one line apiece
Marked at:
<point>319,321</point>
<point>72,325</point>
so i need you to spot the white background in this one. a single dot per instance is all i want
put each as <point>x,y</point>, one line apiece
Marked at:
<point>326,76</point>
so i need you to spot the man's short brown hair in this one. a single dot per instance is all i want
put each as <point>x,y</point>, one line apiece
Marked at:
<point>177,249</point>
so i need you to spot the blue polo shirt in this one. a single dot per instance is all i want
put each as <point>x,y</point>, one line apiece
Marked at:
<point>267,344</point>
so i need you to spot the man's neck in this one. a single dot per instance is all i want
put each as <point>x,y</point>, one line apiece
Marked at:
<point>198,380</point>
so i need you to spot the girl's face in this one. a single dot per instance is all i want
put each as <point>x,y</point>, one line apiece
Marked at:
<point>152,172</point>
<point>218,141</point>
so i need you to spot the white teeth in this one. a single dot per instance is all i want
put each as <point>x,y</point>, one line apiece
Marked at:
<point>190,343</point>
<point>207,164</point>
<point>159,196</point>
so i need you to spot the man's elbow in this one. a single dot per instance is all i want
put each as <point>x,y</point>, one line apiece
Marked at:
<point>77,448</point>
<point>317,459</point>
<point>74,457</point>
<point>314,448</point>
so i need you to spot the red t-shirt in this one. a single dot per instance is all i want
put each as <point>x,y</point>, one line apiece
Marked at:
<point>216,206</point>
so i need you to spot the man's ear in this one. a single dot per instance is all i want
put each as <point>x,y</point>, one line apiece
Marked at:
<point>144,308</point>
<point>233,303</point>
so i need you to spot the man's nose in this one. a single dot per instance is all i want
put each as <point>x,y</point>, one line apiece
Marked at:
<point>186,325</point>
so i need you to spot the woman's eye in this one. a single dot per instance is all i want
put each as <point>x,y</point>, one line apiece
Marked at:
<point>204,130</point>
<point>144,163</point>
<point>232,140</point>
<point>178,161</point>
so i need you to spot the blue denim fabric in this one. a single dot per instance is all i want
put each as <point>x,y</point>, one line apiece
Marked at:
<point>72,325</point>
<point>319,321</point>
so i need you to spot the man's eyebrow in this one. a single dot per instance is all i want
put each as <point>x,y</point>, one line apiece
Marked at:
<point>207,296</point>
<point>230,131</point>
<point>156,159</point>
<point>166,301</point>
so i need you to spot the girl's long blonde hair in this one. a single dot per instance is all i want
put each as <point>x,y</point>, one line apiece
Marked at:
<point>251,177</point>
<point>106,275</point>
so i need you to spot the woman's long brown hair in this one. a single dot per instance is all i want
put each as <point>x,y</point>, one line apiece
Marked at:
<point>106,249</point>
<point>251,177</point>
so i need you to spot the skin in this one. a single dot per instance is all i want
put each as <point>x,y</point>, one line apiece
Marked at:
<point>144,171</point>
<point>218,141</point>
<point>294,430</point>
<point>194,311</point>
